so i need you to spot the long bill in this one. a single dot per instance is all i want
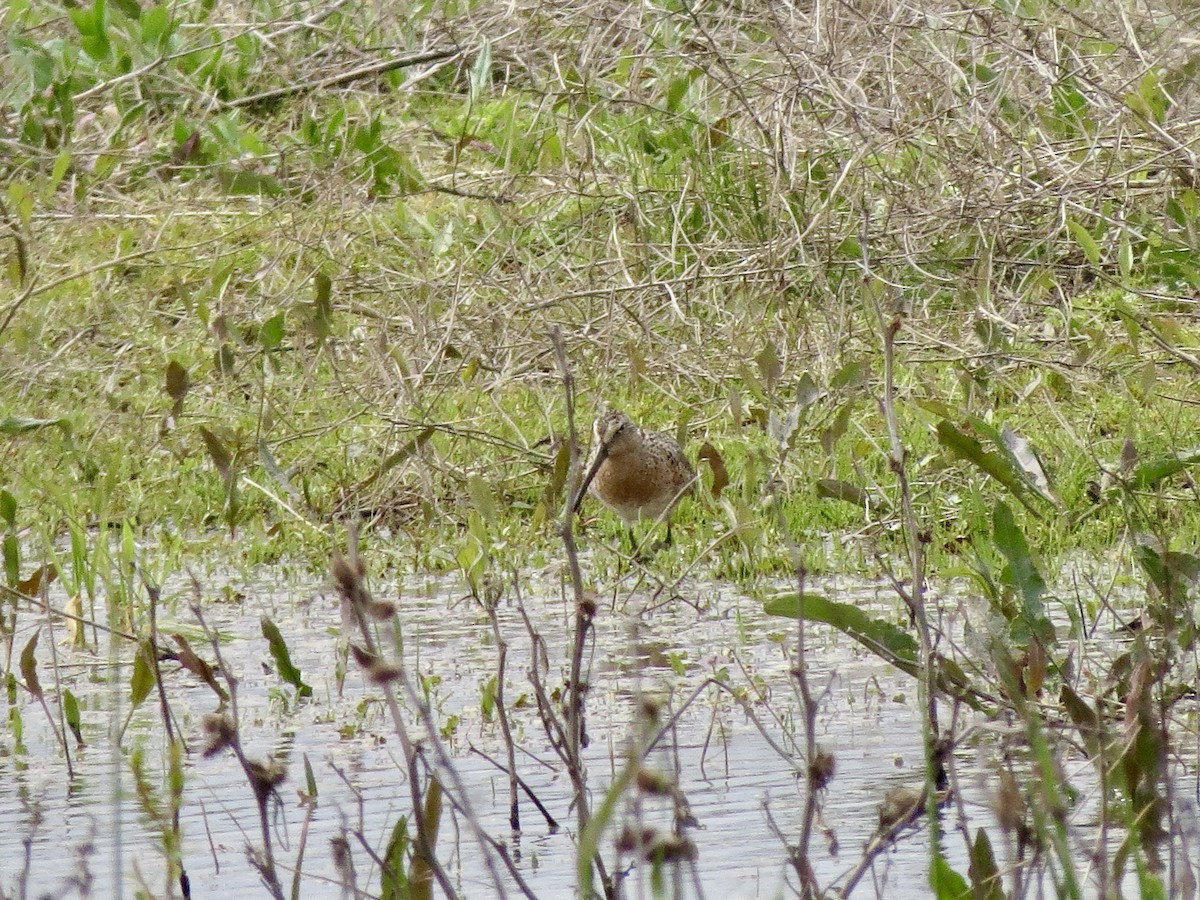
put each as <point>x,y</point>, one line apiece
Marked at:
<point>601,456</point>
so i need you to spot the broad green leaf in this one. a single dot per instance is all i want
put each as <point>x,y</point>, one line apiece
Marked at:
<point>223,359</point>
<point>1125,254</point>
<point>882,638</point>
<point>177,381</point>
<point>156,25</point>
<point>175,776</point>
<point>420,874</point>
<point>769,365</point>
<point>487,698</point>
<point>71,714</point>
<point>23,424</point>
<point>21,200</point>
<point>481,71</point>
<point>131,8</point>
<point>559,470</point>
<point>986,883</point>
<point>310,780</point>
<point>283,659</point>
<point>394,877</point>
<point>221,457</point>
<point>998,466</point>
<point>1172,572</point>
<point>1021,572</point>
<point>602,816</point>
<point>93,27</point>
<point>676,91</point>
<point>482,498</point>
<point>1086,242</point>
<point>61,164</point>
<point>471,557</point>
<point>12,560</point>
<point>239,182</point>
<point>837,428</point>
<point>1152,471</point>
<point>128,544</point>
<point>270,335</point>
<point>853,374</point>
<point>29,665</point>
<point>142,680</point>
<point>836,489</point>
<point>947,884</point>
<point>1149,100</point>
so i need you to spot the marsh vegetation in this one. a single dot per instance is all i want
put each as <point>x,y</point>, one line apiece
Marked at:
<point>308,309</point>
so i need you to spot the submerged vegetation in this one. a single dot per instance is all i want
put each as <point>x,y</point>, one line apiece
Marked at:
<point>916,285</point>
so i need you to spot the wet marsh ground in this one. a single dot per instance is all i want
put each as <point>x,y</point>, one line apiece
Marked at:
<point>307,312</point>
<point>727,763</point>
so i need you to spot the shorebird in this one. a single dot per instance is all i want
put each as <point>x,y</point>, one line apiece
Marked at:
<point>638,474</point>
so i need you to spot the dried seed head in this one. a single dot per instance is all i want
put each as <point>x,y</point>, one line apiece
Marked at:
<point>381,673</point>
<point>650,708</point>
<point>381,610</point>
<point>821,769</point>
<point>267,775</point>
<point>219,733</point>
<point>898,804</point>
<point>653,845</point>
<point>343,861</point>
<point>377,670</point>
<point>493,590</point>
<point>634,839</point>
<point>1010,805</point>
<point>675,848</point>
<point>346,576</point>
<point>655,784</point>
<point>362,656</point>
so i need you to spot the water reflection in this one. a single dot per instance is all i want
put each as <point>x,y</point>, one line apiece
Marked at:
<point>730,774</point>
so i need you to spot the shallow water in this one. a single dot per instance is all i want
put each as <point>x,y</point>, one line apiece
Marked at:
<point>729,774</point>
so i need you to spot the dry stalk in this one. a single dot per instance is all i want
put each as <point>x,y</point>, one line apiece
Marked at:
<point>490,602</point>
<point>880,843</point>
<point>341,78</point>
<point>915,539</point>
<point>264,778</point>
<point>585,610</point>
<point>154,595</point>
<point>818,773</point>
<point>350,578</point>
<point>551,822</point>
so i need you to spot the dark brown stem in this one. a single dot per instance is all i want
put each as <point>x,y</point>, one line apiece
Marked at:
<point>514,811</point>
<point>262,796</point>
<point>351,583</point>
<point>551,822</point>
<point>585,610</point>
<point>368,71</point>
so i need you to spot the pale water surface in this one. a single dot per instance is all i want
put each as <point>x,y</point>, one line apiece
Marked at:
<point>728,773</point>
